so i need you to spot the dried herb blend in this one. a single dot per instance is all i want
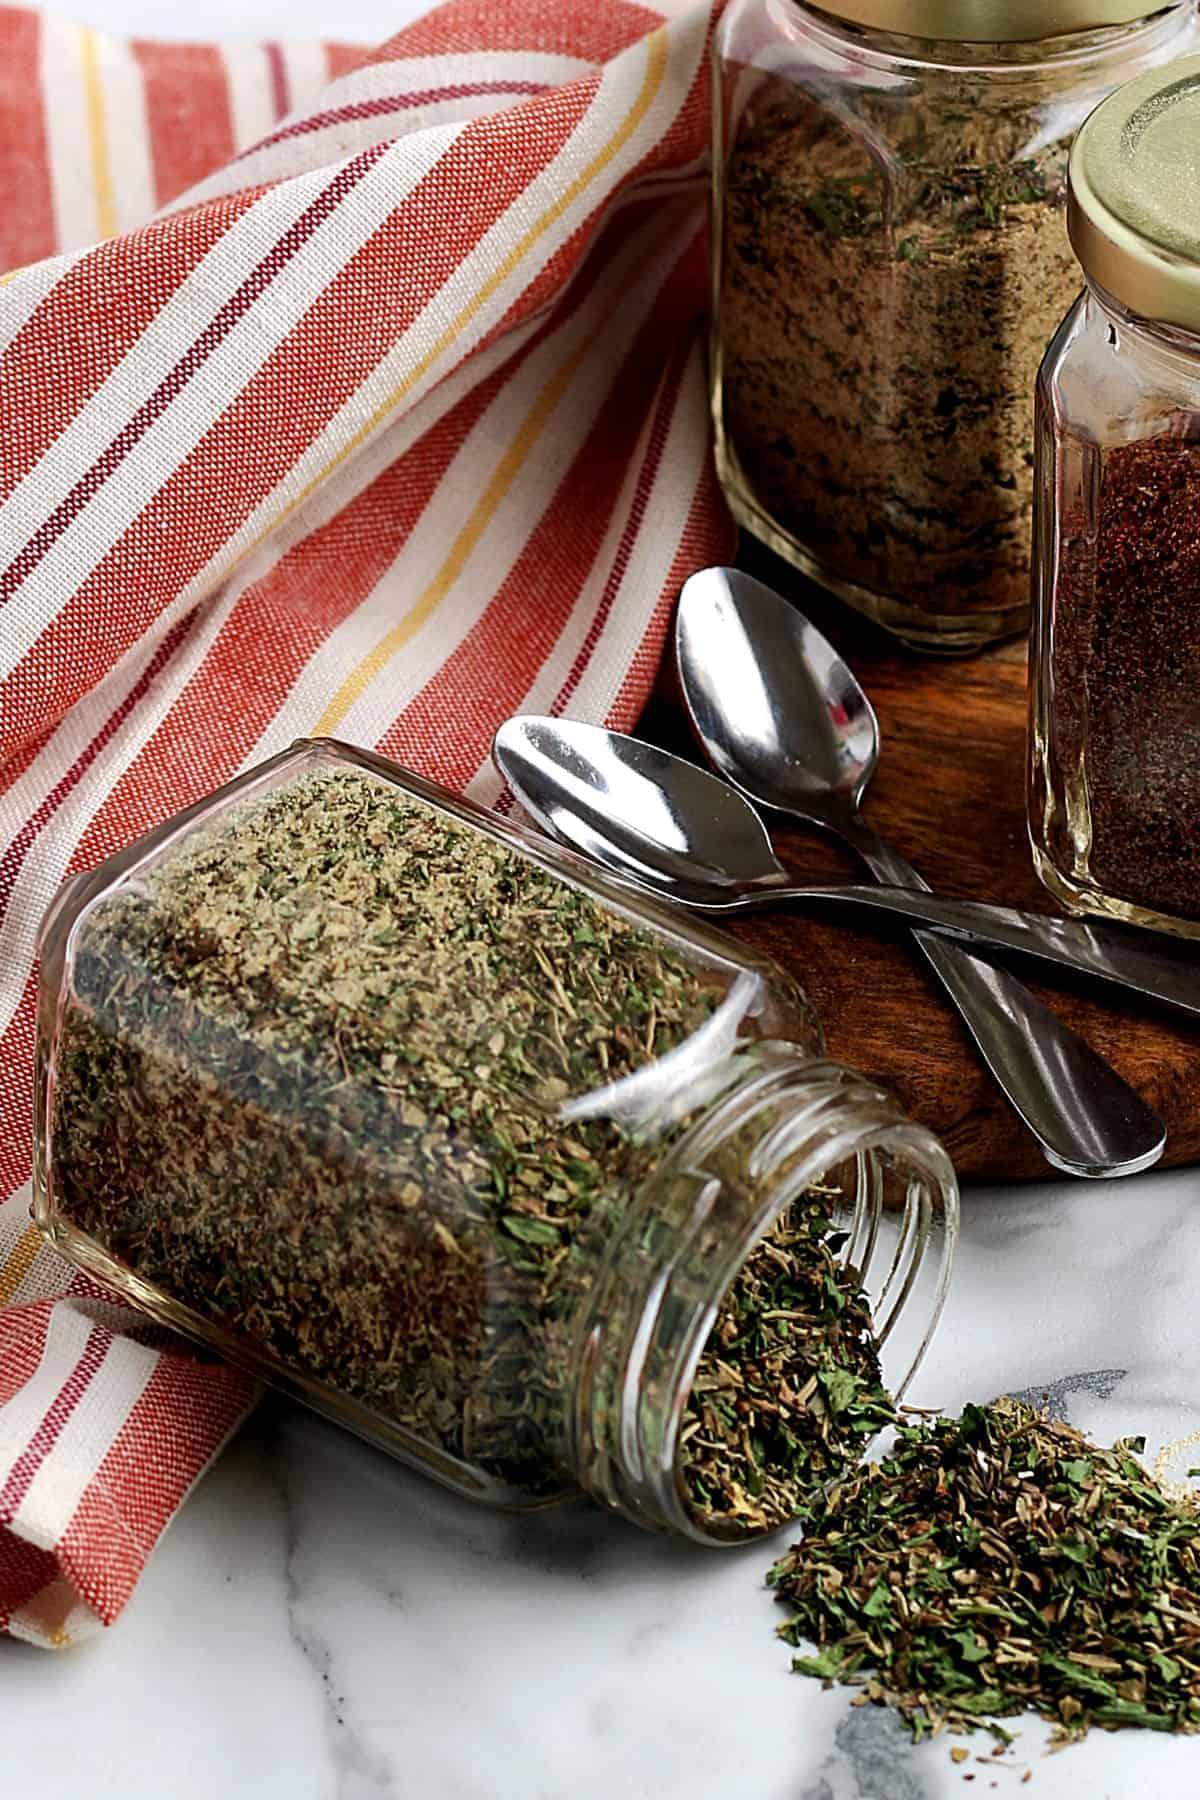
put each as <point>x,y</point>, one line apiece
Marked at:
<point>310,1087</point>
<point>880,340</point>
<point>999,1563</point>
<point>1128,657</point>
<point>788,1393</point>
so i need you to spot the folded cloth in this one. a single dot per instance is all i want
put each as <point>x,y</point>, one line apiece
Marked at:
<point>389,427</point>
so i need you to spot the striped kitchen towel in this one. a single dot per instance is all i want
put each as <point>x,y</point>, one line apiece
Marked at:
<point>385,426</point>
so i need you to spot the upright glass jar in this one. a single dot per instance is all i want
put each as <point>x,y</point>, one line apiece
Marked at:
<point>430,1125</point>
<point>890,259</point>
<point>1114,797</point>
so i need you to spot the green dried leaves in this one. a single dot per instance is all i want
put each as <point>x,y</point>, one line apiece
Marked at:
<point>308,1088</point>
<point>787,1394</point>
<point>999,1563</point>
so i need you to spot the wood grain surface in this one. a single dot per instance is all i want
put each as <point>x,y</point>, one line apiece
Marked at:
<point>950,793</point>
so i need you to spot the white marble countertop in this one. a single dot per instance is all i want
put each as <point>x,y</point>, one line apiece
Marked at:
<point>319,1624</point>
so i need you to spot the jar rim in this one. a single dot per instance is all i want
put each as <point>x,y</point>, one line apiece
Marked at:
<point>994,22</point>
<point>1175,340</point>
<point>641,1339</point>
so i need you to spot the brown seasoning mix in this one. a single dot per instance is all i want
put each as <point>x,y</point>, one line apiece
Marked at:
<point>880,340</point>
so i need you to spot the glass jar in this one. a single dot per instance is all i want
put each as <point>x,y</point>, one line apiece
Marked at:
<point>1114,794</point>
<point>429,1124</point>
<point>890,259</point>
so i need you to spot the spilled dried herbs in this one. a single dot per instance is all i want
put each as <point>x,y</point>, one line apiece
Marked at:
<point>788,1392</point>
<point>1000,1563</point>
<point>310,1084</point>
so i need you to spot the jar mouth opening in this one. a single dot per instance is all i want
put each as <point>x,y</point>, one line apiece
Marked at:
<point>997,59</point>
<point>888,1195</point>
<point>710,1524</point>
<point>875,1236</point>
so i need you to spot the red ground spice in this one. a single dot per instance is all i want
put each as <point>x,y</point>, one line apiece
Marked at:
<point>1128,644</point>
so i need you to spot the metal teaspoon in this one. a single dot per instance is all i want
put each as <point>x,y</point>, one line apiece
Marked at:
<point>781,716</point>
<point>658,821</point>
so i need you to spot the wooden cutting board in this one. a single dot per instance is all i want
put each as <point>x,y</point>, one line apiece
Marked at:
<point>950,793</point>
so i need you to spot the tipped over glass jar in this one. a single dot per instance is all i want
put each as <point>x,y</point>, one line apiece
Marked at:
<point>524,1179</point>
<point>1114,797</point>
<point>890,259</point>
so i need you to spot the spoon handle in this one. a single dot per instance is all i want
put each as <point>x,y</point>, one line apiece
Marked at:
<point>1086,1118</point>
<point>1165,972</point>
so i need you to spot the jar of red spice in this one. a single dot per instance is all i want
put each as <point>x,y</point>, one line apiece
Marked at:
<point>1114,798</point>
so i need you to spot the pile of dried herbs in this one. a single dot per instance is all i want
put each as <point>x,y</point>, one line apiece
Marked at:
<point>1000,1563</point>
<point>308,1085</point>
<point>788,1393</point>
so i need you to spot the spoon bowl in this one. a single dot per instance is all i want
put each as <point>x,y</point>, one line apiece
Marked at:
<point>777,710</point>
<point>637,810</point>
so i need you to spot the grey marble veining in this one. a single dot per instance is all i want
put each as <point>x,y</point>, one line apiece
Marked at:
<point>321,1624</point>
<point>1056,1395</point>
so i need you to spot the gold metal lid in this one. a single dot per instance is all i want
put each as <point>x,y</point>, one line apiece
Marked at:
<point>989,21</point>
<point>1134,197</point>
